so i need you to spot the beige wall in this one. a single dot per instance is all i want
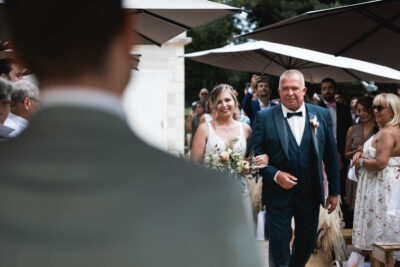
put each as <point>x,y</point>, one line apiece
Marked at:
<point>154,99</point>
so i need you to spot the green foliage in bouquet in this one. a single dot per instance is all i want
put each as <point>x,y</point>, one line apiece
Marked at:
<point>231,162</point>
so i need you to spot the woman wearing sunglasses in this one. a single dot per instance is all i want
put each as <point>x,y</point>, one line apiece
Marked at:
<point>379,165</point>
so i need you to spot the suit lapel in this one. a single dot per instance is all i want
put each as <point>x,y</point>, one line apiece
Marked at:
<point>282,132</point>
<point>311,129</point>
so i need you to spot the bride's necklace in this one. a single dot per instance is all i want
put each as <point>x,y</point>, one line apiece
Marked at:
<point>226,129</point>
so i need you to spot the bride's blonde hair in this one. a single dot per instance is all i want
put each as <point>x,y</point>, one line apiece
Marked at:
<point>216,93</point>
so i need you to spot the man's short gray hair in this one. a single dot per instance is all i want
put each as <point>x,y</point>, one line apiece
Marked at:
<point>290,73</point>
<point>23,89</point>
<point>6,88</point>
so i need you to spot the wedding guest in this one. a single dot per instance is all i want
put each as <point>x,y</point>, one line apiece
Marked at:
<point>260,86</point>
<point>341,121</point>
<point>379,164</point>
<point>203,97</point>
<point>6,88</point>
<point>199,112</point>
<point>25,103</point>
<point>353,110</point>
<point>10,70</point>
<point>207,116</point>
<point>79,188</point>
<point>355,139</point>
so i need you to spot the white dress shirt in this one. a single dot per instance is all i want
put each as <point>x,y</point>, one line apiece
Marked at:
<point>92,98</point>
<point>16,122</point>
<point>296,123</point>
<point>262,107</point>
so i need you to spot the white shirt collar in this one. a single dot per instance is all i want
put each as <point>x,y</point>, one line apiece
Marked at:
<point>262,104</point>
<point>286,110</point>
<point>18,119</point>
<point>93,98</point>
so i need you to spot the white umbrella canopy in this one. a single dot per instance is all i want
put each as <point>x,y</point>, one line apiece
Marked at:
<point>272,58</point>
<point>161,20</point>
<point>369,31</point>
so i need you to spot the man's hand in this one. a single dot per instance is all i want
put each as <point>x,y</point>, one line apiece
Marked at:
<point>286,180</point>
<point>331,203</point>
<point>254,80</point>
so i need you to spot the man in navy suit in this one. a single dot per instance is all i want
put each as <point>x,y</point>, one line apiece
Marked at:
<point>260,86</point>
<point>297,137</point>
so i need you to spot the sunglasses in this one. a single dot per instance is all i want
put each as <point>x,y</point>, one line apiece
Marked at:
<point>378,108</point>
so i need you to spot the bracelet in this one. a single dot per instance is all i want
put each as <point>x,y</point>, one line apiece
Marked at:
<point>361,162</point>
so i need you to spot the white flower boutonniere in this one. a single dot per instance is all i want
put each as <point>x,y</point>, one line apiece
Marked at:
<point>314,122</point>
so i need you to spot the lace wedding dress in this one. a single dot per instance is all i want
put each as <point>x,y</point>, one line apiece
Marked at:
<point>239,147</point>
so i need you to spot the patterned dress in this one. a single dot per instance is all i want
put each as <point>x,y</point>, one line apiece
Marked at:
<point>372,223</point>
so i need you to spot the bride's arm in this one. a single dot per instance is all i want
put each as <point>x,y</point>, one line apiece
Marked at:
<point>260,160</point>
<point>199,143</point>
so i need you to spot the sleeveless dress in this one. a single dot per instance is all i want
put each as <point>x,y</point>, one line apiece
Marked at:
<point>372,223</point>
<point>357,136</point>
<point>239,147</point>
<point>394,205</point>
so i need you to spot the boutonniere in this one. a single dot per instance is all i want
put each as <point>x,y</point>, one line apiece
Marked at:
<point>314,122</point>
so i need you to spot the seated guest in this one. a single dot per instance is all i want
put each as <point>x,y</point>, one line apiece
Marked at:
<point>5,99</point>
<point>25,103</point>
<point>259,86</point>
<point>355,139</point>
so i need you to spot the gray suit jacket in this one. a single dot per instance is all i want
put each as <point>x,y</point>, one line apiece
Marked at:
<point>78,188</point>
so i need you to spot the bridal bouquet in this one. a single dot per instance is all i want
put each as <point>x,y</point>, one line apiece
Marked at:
<point>231,162</point>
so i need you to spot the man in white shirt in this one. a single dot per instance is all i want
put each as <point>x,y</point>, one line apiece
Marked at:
<point>79,188</point>
<point>25,103</point>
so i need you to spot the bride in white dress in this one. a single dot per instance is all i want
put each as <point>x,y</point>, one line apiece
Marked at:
<point>220,131</point>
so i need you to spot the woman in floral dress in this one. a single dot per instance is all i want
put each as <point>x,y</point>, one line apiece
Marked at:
<point>379,165</point>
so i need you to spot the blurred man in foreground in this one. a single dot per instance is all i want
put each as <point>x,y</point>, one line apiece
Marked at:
<point>91,193</point>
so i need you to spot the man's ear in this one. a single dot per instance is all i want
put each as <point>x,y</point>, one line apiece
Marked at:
<point>27,103</point>
<point>4,76</point>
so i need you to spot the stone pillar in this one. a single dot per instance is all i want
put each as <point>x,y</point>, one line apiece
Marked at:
<point>154,99</point>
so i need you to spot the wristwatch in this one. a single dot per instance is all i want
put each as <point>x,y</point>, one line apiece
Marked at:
<point>361,162</point>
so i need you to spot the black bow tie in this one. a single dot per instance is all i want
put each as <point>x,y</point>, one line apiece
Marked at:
<point>291,114</point>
